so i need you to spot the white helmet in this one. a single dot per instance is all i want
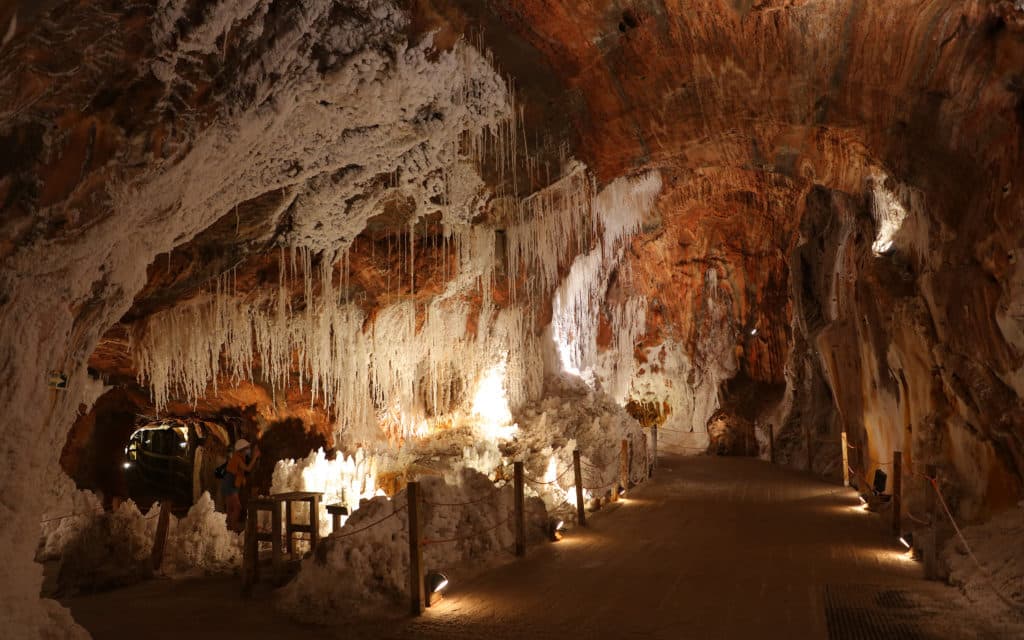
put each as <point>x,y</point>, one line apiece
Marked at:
<point>242,444</point>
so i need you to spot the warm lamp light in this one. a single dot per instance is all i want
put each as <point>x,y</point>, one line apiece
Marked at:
<point>436,582</point>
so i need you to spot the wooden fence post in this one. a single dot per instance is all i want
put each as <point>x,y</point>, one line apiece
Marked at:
<point>581,514</point>
<point>250,551</point>
<point>897,492</point>
<point>654,441</point>
<point>846,460</point>
<point>276,533</point>
<point>624,468</point>
<point>161,534</point>
<point>416,588</point>
<point>931,552</point>
<point>520,504</point>
<point>771,443</point>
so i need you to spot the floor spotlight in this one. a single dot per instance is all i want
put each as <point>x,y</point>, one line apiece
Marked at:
<point>907,540</point>
<point>556,529</point>
<point>862,500</point>
<point>435,582</point>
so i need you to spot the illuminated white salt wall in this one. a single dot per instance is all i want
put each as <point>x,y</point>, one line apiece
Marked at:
<point>581,299</point>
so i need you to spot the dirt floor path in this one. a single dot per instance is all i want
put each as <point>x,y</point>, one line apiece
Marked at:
<point>712,548</point>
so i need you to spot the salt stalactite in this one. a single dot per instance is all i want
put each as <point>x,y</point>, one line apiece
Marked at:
<point>579,302</point>
<point>412,362</point>
<point>552,225</point>
<point>395,370</point>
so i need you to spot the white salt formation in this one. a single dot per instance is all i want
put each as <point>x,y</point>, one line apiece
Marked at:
<point>389,120</point>
<point>291,124</point>
<point>366,564</point>
<point>89,549</point>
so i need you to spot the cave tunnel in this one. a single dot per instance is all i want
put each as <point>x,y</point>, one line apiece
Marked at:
<point>512,319</point>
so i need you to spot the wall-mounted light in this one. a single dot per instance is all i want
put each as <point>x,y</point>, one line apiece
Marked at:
<point>753,331</point>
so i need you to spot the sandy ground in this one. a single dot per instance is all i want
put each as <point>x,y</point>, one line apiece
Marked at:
<point>712,548</point>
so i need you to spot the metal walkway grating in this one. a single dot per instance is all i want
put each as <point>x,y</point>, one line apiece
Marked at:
<point>871,612</point>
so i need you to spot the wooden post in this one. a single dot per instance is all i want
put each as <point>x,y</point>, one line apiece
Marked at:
<point>288,533</point>
<point>161,534</point>
<point>520,505</point>
<point>314,522</point>
<point>931,552</point>
<point>581,514</point>
<point>771,443</point>
<point>897,490</point>
<point>276,558</point>
<point>624,468</point>
<point>250,551</point>
<point>416,587</point>
<point>654,440</point>
<point>846,461</point>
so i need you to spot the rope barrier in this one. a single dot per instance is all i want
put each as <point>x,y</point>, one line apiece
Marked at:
<point>428,541</point>
<point>555,481</point>
<point>72,515</point>
<point>352,533</point>
<point>988,579</point>
<point>914,518</point>
<point>457,504</point>
<point>604,486</point>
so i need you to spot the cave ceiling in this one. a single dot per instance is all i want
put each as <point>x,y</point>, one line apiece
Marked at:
<point>768,121</point>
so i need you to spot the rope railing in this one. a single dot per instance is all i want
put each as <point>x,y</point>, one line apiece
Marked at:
<point>457,504</point>
<point>970,552</point>
<point>73,515</point>
<point>475,534</point>
<point>604,486</point>
<point>394,513</point>
<point>914,518</point>
<point>551,482</point>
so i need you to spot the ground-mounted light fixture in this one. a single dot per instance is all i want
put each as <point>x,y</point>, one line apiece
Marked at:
<point>907,540</point>
<point>556,529</point>
<point>127,465</point>
<point>434,583</point>
<point>622,491</point>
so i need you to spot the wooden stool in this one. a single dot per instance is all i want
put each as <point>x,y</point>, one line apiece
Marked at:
<point>251,548</point>
<point>312,498</point>
<point>336,511</point>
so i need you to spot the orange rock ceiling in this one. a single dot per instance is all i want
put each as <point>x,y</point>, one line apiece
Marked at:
<point>769,122</point>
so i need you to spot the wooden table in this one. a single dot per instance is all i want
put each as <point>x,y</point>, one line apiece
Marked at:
<point>272,504</point>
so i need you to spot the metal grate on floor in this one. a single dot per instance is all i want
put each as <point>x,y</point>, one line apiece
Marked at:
<point>871,612</point>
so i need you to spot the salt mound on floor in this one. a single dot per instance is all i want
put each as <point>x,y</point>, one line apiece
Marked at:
<point>201,542</point>
<point>572,416</point>
<point>97,550</point>
<point>366,564</point>
<point>999,548</point>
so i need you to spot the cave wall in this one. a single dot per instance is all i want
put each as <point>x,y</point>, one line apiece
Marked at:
<point>843,177</point>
